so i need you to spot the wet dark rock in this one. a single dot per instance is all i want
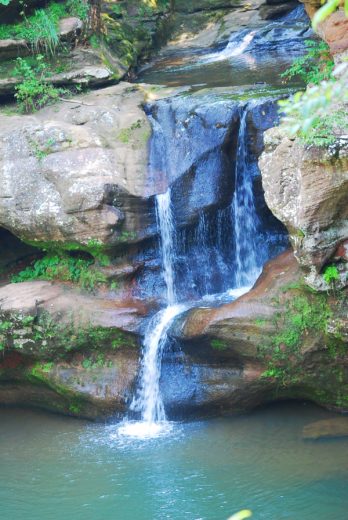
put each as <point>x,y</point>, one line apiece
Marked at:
<point>271,11</point>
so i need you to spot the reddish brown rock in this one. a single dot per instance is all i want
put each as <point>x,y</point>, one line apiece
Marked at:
<point>232,363</point>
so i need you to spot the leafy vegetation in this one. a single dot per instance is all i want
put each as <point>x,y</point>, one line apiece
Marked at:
<point>310,115</point>
<point>35,90</point>
<point>315,66</point>
<point>331,274</point>
<point>65,268</point>
<point>303,314</point>
<point>41,28</point>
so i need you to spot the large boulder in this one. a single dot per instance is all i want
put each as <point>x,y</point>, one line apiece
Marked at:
<point>307,189</point>
<point>77,172</point>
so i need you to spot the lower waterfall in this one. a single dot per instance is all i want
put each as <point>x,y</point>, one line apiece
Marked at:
<point>147,400</point>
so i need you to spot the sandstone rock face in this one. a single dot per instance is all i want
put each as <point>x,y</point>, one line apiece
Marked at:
<point>67,351</point>
<point>70,28</point>
<point>76,354</point>
<point>334,29</point>
<point>70,174</point>
<point>81,66</point>
<point>13,48</point>
<point>272,10</point>
<point>241,354</point>
<point>94,393</point>
<point>103,310</point>
<point>307,189</point>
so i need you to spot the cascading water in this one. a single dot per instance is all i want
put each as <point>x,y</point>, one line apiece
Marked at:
<point>244,217</point>
<point>165,223</point>
<point>219,255</point>
<point>148,401</point>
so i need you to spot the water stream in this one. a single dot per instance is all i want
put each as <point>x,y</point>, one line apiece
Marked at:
<point>147,400</point>
<point>248,261</point>
<point>238,262</point>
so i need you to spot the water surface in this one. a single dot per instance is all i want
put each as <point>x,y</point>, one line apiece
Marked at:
<point>55,468</point>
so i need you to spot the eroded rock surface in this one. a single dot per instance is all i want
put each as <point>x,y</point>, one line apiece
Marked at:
<point>254,350</point>
<point>328,428</point>
<point>307,189</point>
<point>71,173</point>
<point>68,351</point>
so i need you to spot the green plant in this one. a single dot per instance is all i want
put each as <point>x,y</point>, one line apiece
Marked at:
<point>310,115</point>
<point>218,344</point>
<point>315,66</point>
<point>331,274</point>
<point>65,268</point>
<point>34,91</point>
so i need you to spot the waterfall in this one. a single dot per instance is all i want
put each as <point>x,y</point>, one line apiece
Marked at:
<point>165,223</point>
<point>148,399</point>
<point>236,46</point>
<point>243,215</point>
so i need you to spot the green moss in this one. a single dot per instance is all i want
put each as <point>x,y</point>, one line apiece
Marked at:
<point>261,322</point>
<point>126,134</point>
<point>218,344</point>
<point>75,408</point>
<point>42,336</point>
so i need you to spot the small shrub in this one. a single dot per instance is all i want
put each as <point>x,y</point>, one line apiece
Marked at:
<point>314,67</point>
<point>34,91</point>
<point>64,268</point>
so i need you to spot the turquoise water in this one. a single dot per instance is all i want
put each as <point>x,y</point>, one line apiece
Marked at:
<point>55,468</point>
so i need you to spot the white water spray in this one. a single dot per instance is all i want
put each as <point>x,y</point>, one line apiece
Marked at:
<point>165,223</point>
<point>148,400</point>
<point>233,48</point>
